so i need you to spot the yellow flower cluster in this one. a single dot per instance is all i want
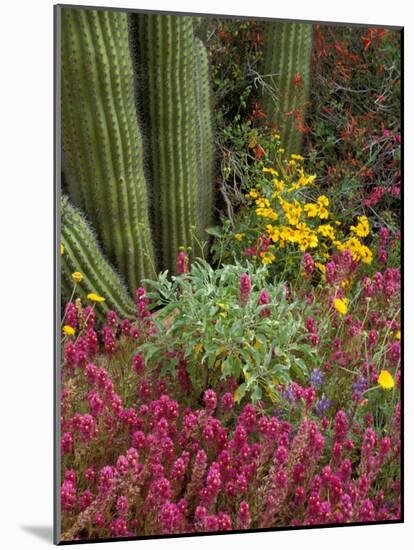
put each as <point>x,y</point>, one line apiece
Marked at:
<point>318,209</point>
<point>287,217</point>
<point>263,209</point>
<point>292,210</point>
<point>302,235</point>
<point>268,258</point>
<point>326,230</point>
<point>303,179</point>
<point>359,251</point>
<point>362,228</point>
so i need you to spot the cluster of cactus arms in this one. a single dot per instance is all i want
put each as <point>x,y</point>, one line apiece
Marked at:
<point>120,75</point>
<point>81,252</point>
<point>286,72</point>
<point>101,140</point>
<point>137,136</point>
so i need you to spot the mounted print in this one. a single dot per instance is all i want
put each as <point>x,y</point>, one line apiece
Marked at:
<point>228,260</point>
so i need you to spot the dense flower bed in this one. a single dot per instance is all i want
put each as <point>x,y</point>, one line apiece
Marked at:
<point>141,454</point>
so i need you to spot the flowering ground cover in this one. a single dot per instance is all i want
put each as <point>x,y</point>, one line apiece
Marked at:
<point>255,381</point>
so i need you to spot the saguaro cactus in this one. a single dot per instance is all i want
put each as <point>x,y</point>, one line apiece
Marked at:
<point>82,253</point>
<point>173,78</point>
<point>286,70</point>
<point>101,141</point>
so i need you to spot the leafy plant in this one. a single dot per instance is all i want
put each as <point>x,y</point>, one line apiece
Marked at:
<point>259,342</point>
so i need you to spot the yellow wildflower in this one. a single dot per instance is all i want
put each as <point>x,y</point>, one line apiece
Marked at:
<point>292,211</point>
<point>77,277</point>
<point>362,228</point>
<point>268,258</point>
<point>296,157</point>
<point>385,380</point>
<point>309,240</point>
<point>320,266</point>
<point>267,213</point>
<point>358,250</point>
<point>341,305</point>
<point>397,335</point>
<point>327,230</point>
<point>274,232</point>
<point>286,235</point>
<point>62,249</point>
<point>365,254</point>
<point>303,181</point>
<point>95,297</point>
<point>239,236</point>
<point>252,194</point>
<point>311,210</point>
<point>323,202</point>
<point>262,202</point>
<point>279,185</point>
<point>68,330</point>
<point>270,171</point>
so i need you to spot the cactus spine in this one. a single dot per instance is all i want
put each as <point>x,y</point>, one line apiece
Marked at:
<point>82,253</point>
<point>170,73</point>
<point>101,141</point>
<point>286,55</point>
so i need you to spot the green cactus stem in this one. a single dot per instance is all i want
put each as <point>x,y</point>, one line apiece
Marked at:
<point>173,78</point>
<point>82,253</point>
<point>204,128</point>
<point>286,72</point>
<point>101,140</point>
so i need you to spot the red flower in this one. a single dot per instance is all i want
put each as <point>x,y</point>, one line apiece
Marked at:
<point>259,152</point>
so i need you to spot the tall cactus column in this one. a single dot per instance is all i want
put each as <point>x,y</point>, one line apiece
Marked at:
<point>286,68</point>
<point>101,141</point>
<point>168,73</point>
<point>204,128</point>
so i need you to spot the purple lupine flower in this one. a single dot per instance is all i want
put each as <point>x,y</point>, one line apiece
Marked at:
<point>359,387</point>
<point>316,378</point>
<point>322,406</point>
